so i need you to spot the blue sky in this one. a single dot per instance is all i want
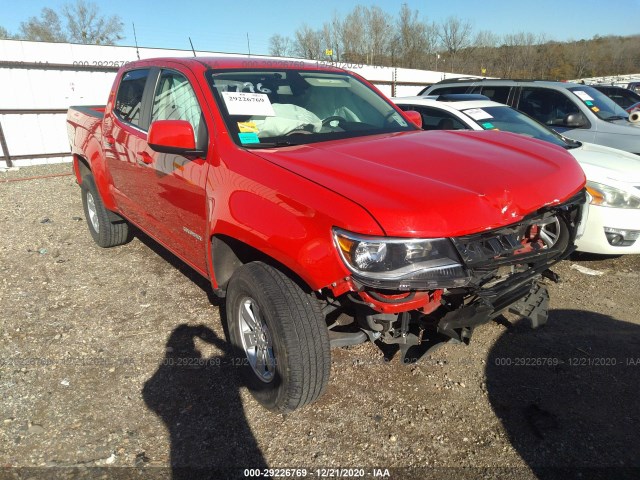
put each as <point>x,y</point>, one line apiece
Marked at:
<point>223,26</point>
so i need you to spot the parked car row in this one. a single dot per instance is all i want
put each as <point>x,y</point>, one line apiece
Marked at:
<point>579,112</point>
<point>613,176</point>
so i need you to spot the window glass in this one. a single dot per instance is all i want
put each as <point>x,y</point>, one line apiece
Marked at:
<point>509,120</point>
<point>436,119</point>
<point>175,99</point>
<point>448,90</point>
<point>623,97</point>
<point>547,106</point>
<point>497,94</point>
<point>598,103</point>
<point>292,107</point>
<point>129,99</point>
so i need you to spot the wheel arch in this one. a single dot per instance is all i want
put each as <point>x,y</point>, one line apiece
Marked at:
<point>80,167</point>
<point>228,254</point>
<point>84,165</point>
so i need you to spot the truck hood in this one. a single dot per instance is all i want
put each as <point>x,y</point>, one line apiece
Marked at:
<point>438,183</point>
<point>601,163</point>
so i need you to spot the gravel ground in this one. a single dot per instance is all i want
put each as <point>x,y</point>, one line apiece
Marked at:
<point>90,377</point>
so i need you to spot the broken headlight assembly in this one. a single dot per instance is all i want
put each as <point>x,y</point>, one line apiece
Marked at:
<point>401,263</point>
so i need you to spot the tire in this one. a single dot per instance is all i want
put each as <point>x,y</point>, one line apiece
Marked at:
<point>296,358</point>
<point>106,228</point>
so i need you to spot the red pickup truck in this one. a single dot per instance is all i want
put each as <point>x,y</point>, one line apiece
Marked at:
<point>321,211</point>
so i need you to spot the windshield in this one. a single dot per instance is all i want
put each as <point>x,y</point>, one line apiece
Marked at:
<point>599,103</point>
<point>509,120</point>
<point>265,108</point>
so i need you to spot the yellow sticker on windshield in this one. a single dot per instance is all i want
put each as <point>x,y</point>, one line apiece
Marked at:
<point>595,109</point>
<point>247,127</point>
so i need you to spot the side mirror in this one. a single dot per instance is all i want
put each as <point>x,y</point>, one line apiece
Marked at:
<point>576,120</point>
<point>173,136</point>
<point>414,117</point>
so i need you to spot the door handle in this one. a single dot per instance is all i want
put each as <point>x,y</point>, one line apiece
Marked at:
<point>144,157</point>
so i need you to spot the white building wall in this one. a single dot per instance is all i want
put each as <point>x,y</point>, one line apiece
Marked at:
<point>51,88</point>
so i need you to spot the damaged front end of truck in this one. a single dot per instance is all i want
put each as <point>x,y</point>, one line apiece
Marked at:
<point>411,295</point>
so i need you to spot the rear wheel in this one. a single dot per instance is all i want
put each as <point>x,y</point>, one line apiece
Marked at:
<point>280,337</point>
<point>106,228</point>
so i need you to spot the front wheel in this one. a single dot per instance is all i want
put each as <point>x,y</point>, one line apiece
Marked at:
<point>280,335</point>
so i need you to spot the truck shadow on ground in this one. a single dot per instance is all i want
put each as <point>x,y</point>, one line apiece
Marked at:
<point>568,395</point>
<point>198,399</point>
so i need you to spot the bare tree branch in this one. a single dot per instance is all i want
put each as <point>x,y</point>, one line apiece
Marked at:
<point>308,43</point>
<point>47,28</point>
<point>455,35</point>
<point>413,38</point>
<point>86,25</point>
<point>280,46</point>
<point>4,34</point>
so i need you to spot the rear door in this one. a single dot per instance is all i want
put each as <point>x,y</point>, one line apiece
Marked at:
<point>125,129</point>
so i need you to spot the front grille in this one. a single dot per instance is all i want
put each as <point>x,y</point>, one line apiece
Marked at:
<point>508,258</point>
<point>541,235</point>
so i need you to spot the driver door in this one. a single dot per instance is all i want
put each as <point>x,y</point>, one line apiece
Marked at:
<point>176,192</point>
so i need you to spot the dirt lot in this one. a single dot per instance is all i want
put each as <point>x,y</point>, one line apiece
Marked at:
<point>90,375</point>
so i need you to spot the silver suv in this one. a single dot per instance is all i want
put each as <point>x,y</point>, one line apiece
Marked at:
<point>576,111</point>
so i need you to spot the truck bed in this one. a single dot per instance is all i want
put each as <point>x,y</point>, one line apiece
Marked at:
<point>84,123</point>
<point>91,110</point>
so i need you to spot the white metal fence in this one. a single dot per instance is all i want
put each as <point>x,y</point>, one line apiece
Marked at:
<point>39,81</point>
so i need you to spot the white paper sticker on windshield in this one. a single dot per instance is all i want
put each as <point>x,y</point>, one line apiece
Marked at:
<point>477,114</point>
<point>241,103</point>
<point>584,96</point>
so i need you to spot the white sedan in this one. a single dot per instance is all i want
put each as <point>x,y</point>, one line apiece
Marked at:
<point>613,176</point>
